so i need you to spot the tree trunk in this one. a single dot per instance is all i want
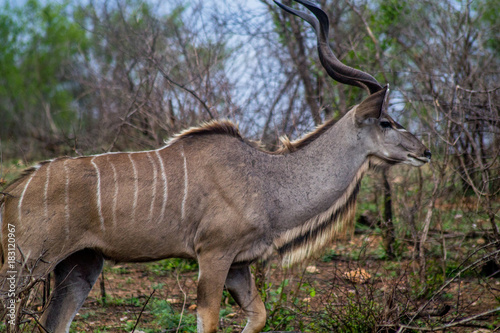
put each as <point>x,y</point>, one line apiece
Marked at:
<point>387,223</point>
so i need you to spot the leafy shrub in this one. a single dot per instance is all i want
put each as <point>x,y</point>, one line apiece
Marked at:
<point>167,318</point>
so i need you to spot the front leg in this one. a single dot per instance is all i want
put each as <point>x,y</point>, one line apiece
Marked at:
<point>213,271</point>
<point>241,285</point>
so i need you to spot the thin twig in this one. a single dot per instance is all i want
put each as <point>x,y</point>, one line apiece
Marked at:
<point>39,325</point>
<point>460,322</point>
<point>478,91</point>
<point>194,94</point>
<point>466,268</point>
<point>142,310</point>
<point>184,303</point>
<point>372,37</point>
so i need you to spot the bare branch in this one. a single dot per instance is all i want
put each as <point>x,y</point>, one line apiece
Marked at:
<point>454,324</point>
<point>193,93</point>
<point>142,310</point>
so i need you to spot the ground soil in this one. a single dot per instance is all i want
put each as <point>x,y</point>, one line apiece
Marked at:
<point>340,274</point>
<point>352,283</point>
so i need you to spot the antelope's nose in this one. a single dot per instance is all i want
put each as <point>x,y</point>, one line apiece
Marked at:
<point>427,153</point>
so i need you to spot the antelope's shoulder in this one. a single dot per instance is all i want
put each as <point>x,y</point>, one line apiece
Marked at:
<point>28,172</point>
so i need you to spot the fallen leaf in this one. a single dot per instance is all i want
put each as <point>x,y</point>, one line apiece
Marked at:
<point>173,300</point>
<point>312,269</point>
<point>357,276</point>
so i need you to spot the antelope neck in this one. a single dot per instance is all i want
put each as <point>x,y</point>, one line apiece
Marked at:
<point>309,181</point>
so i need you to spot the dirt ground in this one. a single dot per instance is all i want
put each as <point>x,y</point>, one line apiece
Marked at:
<point>130,286</point>
<point>353,287</point>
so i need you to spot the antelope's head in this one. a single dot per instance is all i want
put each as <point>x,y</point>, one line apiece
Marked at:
<point>386,140</point>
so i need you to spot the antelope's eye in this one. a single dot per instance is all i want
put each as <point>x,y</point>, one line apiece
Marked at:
<point>385,124</point>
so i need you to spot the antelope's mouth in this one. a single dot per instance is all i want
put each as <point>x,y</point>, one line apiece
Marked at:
<point>417,161</point>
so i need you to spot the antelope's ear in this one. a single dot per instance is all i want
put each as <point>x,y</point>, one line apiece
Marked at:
<point>372,106</point>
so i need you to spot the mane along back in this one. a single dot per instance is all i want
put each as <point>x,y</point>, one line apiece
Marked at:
<point>221,127</point>
<point>291,146</point>
<point>226,127</point>
<point>23,175</point>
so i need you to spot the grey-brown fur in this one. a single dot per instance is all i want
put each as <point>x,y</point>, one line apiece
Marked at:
<point>210,195</point>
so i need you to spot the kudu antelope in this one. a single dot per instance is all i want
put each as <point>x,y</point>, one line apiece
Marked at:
<point>209,194</point>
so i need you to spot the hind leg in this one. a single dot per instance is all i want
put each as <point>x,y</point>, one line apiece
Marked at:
<point>241,285</point>
<point>74,278</point>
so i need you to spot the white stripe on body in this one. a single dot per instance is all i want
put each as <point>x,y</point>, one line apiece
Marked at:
<point>98,198</point>
<point>184,198</point>
<point>46,192</point>
<point>21,198</point>
<point>66,198</point>
<point>153,194</point>
<point>165,187</point>
<point>115,195</point>
<point>136,187</point>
